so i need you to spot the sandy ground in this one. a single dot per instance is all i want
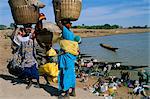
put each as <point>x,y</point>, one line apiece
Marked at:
<point>8,90</point>
<point>12,88</point>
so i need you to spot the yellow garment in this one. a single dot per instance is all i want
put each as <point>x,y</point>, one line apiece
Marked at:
<point>51,69</point>
<point>111,90</point>
<point>69,46</point>
<point>51,52</point>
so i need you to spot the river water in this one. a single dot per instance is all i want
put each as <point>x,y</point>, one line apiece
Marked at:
<point>134,49</point>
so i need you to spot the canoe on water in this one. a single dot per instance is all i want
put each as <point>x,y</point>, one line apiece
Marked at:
<point>108,47</point>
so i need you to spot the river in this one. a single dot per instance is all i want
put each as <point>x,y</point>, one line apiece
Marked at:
<point>134,49</point>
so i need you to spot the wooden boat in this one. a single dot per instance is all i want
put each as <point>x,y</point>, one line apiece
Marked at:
<point>108,47</point>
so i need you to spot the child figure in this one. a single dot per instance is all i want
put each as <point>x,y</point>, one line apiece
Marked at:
<point>50,69</point>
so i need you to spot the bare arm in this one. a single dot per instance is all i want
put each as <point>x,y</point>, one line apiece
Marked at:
<point>57,14</point>
<point>59,24</point>
<point>14,33</point>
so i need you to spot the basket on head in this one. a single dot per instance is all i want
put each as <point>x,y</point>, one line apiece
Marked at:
<point>14,3</point>
<point>25,14</point>
<point>49,34</point>
<point>70,9</point>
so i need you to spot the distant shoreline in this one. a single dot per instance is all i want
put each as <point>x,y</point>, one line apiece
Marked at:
<point>106,32</point>
<point>85,33</point>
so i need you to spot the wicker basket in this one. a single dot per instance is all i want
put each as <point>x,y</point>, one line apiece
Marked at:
<point>51,35</point>
<point>70,9</point>
<point>14,3</point>
<point>25,14</point>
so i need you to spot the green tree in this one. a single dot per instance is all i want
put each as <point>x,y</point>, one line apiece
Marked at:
<point>2,27</point>
<point>145,26</point>
<point>115,26</point>
<point>107,26</point>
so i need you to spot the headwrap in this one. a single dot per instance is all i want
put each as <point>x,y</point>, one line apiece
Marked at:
<point>41,16</point>
<point>77,39</point>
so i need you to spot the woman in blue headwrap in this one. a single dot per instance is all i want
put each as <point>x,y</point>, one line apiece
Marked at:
<point>67,58</point>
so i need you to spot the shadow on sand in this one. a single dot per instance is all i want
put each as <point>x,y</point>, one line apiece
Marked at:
<point>50,89</point>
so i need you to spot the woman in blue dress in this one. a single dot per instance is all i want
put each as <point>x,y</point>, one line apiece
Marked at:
<point>66,60</point>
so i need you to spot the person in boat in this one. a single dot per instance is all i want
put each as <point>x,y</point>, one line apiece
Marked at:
<point>66,58</point>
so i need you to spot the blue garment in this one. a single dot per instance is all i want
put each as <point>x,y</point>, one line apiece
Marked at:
<point>67,34</point>
<point>66,61</point>
<point>30,72</point>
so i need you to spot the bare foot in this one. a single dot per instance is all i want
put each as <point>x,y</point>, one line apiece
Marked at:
<point>29,85</point>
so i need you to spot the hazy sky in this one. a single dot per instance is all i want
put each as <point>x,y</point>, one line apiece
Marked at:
<point>94,12</point>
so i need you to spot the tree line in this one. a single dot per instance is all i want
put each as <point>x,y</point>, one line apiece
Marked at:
<point>138,27</point>
<point>105,26</point>
<point>108,26</point>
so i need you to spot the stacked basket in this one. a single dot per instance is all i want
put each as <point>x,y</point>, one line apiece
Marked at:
<point>52,33</point>
<point>23,13</point>
<point>69,9</point>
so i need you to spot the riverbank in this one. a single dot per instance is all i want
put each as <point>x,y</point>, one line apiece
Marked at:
<point>96,32</point>
<point>106,32</point>
<point>11,89</point>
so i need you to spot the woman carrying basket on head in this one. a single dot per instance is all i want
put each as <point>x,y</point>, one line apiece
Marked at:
<point>24,56</point>
<point>67,57</point>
